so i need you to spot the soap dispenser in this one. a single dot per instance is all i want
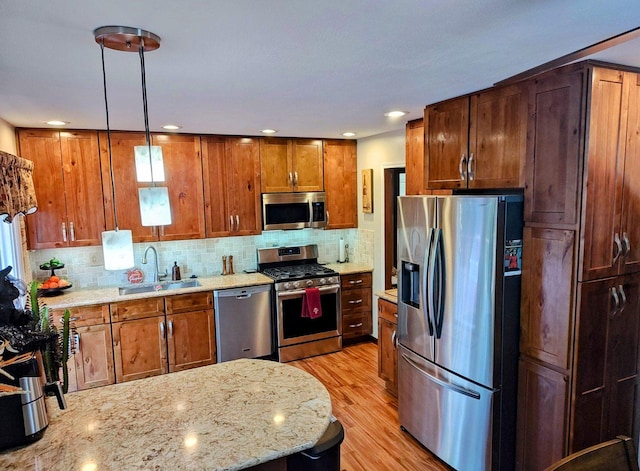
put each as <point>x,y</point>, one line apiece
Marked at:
<point>175,272</point>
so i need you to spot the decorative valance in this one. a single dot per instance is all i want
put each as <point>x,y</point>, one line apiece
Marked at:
<point>17,194</point>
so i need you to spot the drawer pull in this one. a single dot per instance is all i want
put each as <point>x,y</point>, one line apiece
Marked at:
<point>355,301</point>
<point>395,314</point>
<point>355,282</point>
<point>353,326</point>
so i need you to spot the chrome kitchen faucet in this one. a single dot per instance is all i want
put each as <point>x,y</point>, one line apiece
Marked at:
<point>156,275</point>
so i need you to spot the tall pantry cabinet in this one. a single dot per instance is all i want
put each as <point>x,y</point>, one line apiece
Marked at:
<point>580,316</point>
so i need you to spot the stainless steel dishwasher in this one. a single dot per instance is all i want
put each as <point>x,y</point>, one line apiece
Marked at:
<point>243,322</point>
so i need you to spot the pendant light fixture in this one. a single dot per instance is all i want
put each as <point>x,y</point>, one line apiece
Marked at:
<point>155,209</point>
<point>117,245</point>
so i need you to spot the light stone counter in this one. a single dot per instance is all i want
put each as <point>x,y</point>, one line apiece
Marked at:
<point>349,267</point>
<point>228,416</point>
<point>390,295</point>
<point>85,297</point>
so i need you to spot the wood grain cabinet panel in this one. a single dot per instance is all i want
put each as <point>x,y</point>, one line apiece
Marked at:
<point>414,157</point>
<point>140,348</point>
<point>67,178</point>
<point>356,299</point>
<point>291,165</point>
<point>340,177</point>
<point>191,339</point>
<point>231,169</point>
<point>387,349</point>
<point>94,356</point>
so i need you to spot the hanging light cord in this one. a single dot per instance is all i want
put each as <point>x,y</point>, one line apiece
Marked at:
<point>144,106</point>
<point>106,108</point>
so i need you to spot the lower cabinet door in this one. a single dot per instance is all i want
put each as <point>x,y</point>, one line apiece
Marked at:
<point>139,348</point>
<point>94,356</point>
<point>191,339</point>
<point>387,355</point>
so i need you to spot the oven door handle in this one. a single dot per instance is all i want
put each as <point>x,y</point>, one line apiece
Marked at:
<point>323,289</point>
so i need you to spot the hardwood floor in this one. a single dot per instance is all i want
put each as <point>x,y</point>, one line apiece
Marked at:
<point>369,415</point>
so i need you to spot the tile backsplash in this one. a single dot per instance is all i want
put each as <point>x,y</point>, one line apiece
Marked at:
<point>84,266</point>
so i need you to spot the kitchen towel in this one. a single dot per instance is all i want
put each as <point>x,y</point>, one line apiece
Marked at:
<point>311,306</point>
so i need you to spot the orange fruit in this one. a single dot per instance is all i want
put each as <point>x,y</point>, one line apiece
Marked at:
<point>54,278</point>
<point>53,284</point>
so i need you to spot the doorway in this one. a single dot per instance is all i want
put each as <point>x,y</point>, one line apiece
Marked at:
<point>394,186</point>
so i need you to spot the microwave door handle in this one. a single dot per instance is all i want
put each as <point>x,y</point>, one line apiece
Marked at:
<point>310,212</point>
<point>427,293</point>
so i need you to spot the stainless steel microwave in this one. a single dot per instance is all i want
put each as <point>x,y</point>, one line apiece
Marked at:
<point>293,210</point>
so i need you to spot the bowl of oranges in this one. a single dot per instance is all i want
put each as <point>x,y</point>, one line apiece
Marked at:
<point>53,285</point>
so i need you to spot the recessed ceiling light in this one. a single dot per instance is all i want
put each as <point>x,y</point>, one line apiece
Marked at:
<point>348,134</point>
<point>395,114</point>
<point>269,131</point>
<point>57,123</point>
<point>171,127</point>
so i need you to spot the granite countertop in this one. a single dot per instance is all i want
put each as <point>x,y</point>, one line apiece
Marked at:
<point>84,297</point>
<point>232,415</point>
<point>390,295</point>
<point>349,267</point>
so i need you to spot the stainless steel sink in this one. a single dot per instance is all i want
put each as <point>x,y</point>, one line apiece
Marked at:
<point>151,287</point>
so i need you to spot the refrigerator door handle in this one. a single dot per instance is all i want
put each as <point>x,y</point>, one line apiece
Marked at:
<point>427,281</point>
<point>439,282</point>
<point>444,384</point>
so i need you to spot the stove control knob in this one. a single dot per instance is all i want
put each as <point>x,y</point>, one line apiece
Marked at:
<point>322,281</point>
<point>296,284</point>
<point>332,280</point>
<point>309,283</point>
<point>287,285</point>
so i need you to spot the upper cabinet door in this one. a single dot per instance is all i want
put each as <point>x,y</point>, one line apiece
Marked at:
<point>414,157</point>
<point>276,165</point>
<point>554,151</point>
<point>307,165</point>
<point>497,138</point>
<point>630,230</point>
<point>340,183</point>
<point>447,143</point>
<point>216,193</point>
<point>183,174</point>
<point>67,179</point>
<point>243,171</point>
<point>83,188</point>
<point>602,245</point>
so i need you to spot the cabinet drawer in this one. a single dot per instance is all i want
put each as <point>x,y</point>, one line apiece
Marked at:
<point>138,309</point>
<point>84,315</point>
<point>387,311</point>
<point>356,300</point>
<point>188,302</point>
<point>356,280</point>
<point>356,325</point>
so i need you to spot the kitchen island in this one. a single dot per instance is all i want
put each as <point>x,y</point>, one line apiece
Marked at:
<point>233,415</point>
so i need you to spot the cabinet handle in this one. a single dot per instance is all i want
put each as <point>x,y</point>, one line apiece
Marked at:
<point>395,314</point>
<point>295,178</point>
<point>73,231</point>
<point>327,218</point>
<point>462,167</point>
<point>170,328</point>
<point>471,167</point>
<point>64,232</point>
<point>162,328</point>
<point>626,245</point>
<point>161,230</point>
<point>77,342</point>
<point>353,326</point>
<point>618,247</point>
<point>355,301</point>
<point>290,178</point>
<point>231,223</point>
<point>616,302</point>
<point>355,282</point>
<point>237,222</point>
<point>394,339</point>
<point>623,297</point>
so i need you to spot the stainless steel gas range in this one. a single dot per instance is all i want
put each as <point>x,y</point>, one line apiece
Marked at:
<point>299,279</point>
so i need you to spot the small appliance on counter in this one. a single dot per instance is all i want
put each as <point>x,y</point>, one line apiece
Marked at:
<point>24,414</point>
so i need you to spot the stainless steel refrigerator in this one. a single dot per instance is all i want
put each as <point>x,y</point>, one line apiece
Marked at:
<point>459,264</point>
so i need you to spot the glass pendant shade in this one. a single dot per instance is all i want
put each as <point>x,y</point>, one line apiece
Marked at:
<point>155,209</point>
<point>117,248</point>
<point>149,169</point>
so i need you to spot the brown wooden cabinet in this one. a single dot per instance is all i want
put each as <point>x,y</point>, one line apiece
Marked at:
<point>340,176</point>
<point>387,347</point>
<point>183,178</point>
<point>291,165</point>
<point>191,336</point>
<point>231,168</point>
<point>580,312</point>
<point>414,157</point>
<point>66,177</point>
<point>477,141</point>
<point>356,300</point>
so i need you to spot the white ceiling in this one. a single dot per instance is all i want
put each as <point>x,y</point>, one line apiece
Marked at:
<point>310,68</point>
